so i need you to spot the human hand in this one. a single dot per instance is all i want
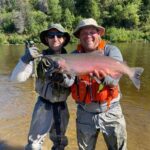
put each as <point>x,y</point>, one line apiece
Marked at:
<point>29,44</point>
<point>98,74</point>
<point>30,54</point>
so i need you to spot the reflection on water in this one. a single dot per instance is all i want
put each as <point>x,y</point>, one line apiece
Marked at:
<point>17,101</point>
<point>137,55</point>
<point>13,97</point>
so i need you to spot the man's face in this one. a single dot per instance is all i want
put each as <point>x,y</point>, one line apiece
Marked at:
<point>55,40</point>
<point>89,38</point>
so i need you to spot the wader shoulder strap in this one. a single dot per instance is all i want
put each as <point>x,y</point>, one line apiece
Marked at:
<point>57,120</point>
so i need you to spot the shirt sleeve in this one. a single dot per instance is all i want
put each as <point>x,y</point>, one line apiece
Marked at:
<point>68,80</point>
<point>22,71</point>
<point>114,52</point>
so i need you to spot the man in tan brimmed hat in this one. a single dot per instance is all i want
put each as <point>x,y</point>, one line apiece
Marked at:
<point>88,22</point>
<point>98,103</point>
<point>50,115</point>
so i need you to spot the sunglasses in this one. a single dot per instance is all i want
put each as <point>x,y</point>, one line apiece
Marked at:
<point>52,35</point>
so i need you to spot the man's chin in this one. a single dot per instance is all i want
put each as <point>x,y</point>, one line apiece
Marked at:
<point>56,48</point>
<point>90,47</point>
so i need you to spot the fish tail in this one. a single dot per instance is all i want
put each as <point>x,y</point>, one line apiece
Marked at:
<point>137,71</point>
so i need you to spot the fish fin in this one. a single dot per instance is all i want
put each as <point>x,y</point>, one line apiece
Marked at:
<point>136,76</point>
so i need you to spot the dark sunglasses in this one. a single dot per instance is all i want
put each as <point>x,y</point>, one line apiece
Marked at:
<point>51,35</point>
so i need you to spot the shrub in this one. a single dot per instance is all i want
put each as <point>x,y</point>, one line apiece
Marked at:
<point>117,35</point>
<point>3,39</point>
<point>16,39</point>
<point>135,35</point>
<point>123,35</point>
<point>7,25</point>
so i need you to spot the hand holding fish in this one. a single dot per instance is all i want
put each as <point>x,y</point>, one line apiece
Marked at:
<point>98,74</point>
<point>30,54</point>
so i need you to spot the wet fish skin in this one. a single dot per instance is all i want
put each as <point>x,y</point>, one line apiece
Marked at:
<point>85,63</point>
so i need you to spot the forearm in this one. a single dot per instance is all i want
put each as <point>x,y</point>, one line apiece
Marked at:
<point>22,71</point>
<point>114,52</point>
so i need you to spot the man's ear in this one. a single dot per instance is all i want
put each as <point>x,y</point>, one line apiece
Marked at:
<point>99,32</point>
<point>64,39</point>
<point>46,39</point>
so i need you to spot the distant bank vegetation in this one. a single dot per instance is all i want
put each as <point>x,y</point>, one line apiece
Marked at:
<point>124,20</point>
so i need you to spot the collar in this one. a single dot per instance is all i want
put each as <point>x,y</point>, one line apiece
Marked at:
<point>101,47</point>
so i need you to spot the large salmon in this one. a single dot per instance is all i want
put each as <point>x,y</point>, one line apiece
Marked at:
<point>85,63</point>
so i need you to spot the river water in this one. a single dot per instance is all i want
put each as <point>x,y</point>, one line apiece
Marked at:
<point>17,101</point>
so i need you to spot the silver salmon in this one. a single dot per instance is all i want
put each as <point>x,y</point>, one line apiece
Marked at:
<point>85,63</point>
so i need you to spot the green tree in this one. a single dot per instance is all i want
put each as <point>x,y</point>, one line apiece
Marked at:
<point>68,4</point>
<point>37,23</point>
<point>144,12</point>
<point>68,19</point>
<point>87,8</point>
<point>54,11</point>
<point>121,13</point>
<point>41,5</point>
<point>19,21</point>
<point>7,5</point>
<point>109,11</point>
<point>95,11</point>
<point>130,17</point>
<point>6,23</point>
<point>26,18</point>
<point>21,15</point>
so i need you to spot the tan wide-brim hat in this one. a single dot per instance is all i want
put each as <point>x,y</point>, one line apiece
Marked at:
<point>88,22</point>
<point>58,27</point>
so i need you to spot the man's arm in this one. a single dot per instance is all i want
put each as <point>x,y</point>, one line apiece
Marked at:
<point>22,71</point>
<point>114,52</point>
<point>24,68</point>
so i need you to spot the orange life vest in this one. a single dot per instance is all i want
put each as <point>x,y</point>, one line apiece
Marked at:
<point>87,90</point>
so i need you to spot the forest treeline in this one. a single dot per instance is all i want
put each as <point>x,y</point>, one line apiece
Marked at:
<point>124,20</point>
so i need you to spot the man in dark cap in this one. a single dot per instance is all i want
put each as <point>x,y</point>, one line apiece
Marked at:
<point>50,113</point>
